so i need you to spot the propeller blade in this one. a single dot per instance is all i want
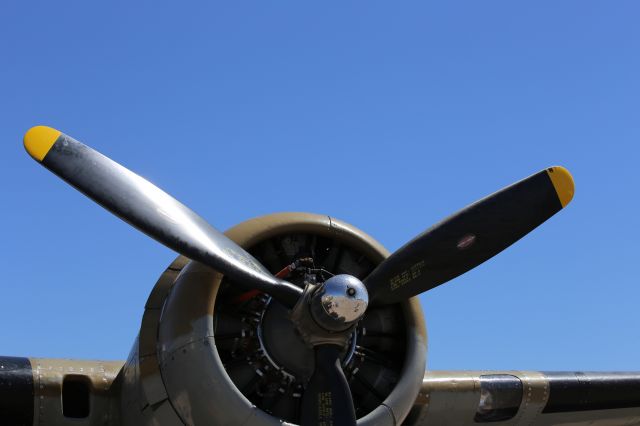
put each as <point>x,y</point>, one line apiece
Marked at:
<point>471,236</point>
<point>151,210</point>
<point>327,399</point>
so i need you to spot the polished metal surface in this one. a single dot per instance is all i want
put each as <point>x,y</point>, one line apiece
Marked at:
<point>342,299</point>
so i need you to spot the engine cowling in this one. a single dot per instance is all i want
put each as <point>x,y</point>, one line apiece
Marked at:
<point>210,352</point>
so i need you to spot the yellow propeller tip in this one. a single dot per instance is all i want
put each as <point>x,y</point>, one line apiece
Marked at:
<point>563,183</point>
<point>38,141</point>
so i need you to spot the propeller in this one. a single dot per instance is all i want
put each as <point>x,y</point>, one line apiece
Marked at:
<point>327,398</point>
<point>324,316</point>
<point>469,237</point>
<point>151,210</point>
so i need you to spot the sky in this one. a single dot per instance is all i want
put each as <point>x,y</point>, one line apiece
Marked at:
<point>388,115</point>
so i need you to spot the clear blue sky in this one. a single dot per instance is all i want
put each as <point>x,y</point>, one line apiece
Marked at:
<point>389,115</point>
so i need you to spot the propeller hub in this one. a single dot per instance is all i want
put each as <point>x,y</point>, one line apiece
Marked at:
<point>339,302</point>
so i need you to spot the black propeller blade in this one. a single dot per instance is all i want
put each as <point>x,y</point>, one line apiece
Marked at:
<point>471,236</point>
<point>151,210</point>
<point>327,398</point>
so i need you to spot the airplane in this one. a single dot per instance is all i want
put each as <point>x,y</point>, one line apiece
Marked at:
<point>298,318</point>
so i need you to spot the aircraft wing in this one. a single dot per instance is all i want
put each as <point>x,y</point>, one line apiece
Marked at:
<point>527,398</point>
